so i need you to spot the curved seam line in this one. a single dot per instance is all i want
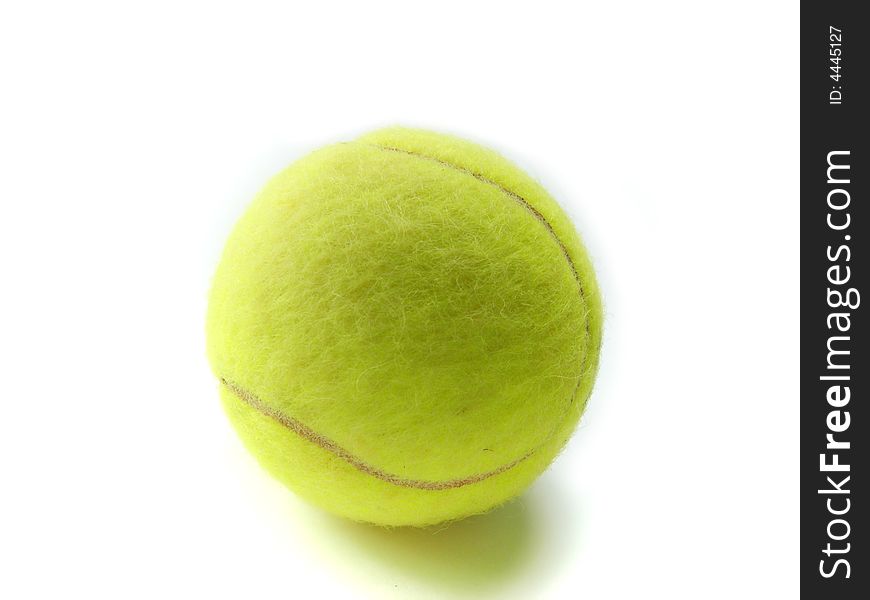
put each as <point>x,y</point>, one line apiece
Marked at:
<point>522,202</point>
<point>327,444</point>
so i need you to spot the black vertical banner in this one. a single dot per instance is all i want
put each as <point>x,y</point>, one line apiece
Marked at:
<point>835,367</point>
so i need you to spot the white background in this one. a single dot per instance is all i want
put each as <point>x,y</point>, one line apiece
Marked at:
<point>131,138</point>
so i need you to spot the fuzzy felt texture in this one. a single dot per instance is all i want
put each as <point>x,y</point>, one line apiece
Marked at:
<point>406,328</point>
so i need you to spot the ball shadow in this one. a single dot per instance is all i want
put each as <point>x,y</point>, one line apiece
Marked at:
<point>479,553</point>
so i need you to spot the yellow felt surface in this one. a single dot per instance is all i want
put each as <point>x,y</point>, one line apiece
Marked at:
<point>408,297</point>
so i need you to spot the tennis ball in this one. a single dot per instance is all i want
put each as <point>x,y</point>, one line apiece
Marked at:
<point>405,328</point>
